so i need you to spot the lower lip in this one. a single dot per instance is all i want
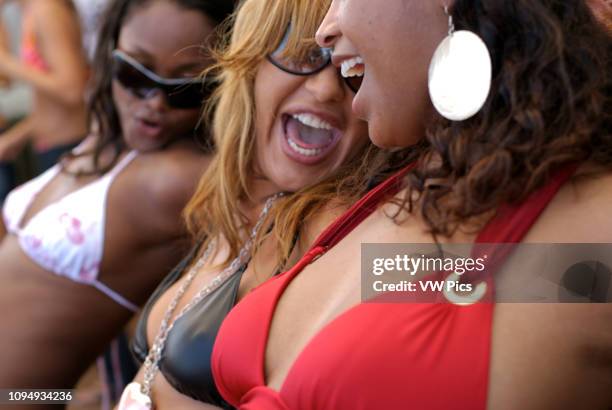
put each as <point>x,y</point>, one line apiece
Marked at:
<point>147,130</point>
<point>299,157</point>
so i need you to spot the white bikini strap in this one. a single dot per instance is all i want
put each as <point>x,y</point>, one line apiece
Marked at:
<point>13,216</point>
<point>123,163</point>
<point>116,296</point>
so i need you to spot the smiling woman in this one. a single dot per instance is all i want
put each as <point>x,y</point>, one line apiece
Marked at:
<point>285,135</point>
<point>90,239</point>
<point>283,122</point>
<point>534,165</point>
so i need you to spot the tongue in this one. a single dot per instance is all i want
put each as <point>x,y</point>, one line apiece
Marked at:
<point>308,137</point>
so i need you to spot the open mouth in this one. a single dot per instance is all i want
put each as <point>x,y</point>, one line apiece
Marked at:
<point>353,67</point>
<point>309,138</point>
<point>149,127</point>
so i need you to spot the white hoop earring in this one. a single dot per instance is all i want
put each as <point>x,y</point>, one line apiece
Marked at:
<point>480,290</point>
<point>459,74</point>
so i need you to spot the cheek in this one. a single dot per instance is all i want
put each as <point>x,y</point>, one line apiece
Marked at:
<point>264,114</point>
<point>394,96</point>
<point>398,96</point>
<point>272,89</point>
<point>402,109</point>
<point>183,120</point>
<point>122,100</point>
<point>356,14</point>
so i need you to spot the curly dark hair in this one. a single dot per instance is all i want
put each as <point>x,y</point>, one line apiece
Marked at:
<point>101,107</point>
<point>549,105</point>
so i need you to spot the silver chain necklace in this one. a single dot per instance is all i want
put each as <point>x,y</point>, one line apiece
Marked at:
<point>137,396</point>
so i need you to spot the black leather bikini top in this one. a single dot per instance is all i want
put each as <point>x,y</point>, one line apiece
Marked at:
<point>186,359</point>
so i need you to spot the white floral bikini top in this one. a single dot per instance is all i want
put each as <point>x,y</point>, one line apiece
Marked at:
<point>67,236</point>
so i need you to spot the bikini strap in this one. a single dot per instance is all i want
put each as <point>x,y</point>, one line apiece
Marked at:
<point>362,209</point>
<point>123,301</point>
<point>512,222</point>
<point>122,164</point>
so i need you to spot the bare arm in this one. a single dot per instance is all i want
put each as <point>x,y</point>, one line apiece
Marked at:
<point>166,188</point>
<point>13,139</point>
<point>4,47</point>
<point>2,230</point>
<point>59,33</point>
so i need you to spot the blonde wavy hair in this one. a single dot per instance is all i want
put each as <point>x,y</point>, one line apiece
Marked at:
<point>213,212</point>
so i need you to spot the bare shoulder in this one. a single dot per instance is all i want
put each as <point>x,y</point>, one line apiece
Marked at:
<point>159,185</point>
<point>580,212</point>
<point>318,222</point>
<point>59,32</point>
<point>172,174</point>
<point>593,184</point>
<point>327,214</point>
<point>40,7</point>
<point>61,11</point>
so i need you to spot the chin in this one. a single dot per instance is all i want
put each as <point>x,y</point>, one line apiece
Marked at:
<point>142,144</point>
<point>291,184</point>
<point>380,140</point>
<point>388,138</point>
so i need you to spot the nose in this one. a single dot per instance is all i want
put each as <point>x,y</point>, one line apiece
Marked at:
<point>328,33</point>
<point>156,100</point>
<point>326,85</point>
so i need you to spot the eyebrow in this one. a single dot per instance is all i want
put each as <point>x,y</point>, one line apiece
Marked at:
<point>138,53</point>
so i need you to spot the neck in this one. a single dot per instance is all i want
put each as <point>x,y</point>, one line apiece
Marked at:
<point>261,190</point>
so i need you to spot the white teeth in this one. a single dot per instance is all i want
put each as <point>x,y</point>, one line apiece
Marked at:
<point>304,151</point>
<point>352,67</point>
<point>313,121</point>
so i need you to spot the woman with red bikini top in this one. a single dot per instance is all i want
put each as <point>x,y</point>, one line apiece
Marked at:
<point>532,164</point>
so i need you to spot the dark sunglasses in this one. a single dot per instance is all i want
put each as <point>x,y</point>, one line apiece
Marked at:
<point>314,62</point>
<point>183,93</point>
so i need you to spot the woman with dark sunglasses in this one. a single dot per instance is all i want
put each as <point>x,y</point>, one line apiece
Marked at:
<point>285,137</point>
<point>91,238</point>
<point>522,152</point>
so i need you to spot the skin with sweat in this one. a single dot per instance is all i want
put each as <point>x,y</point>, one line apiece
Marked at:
<point>279,98</point>
<point>143,236</point>
<point>393,101</point>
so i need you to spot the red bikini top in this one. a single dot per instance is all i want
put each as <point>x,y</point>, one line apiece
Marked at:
<point>374,355</point>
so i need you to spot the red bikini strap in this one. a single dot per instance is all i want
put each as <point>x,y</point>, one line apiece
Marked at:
<point>512,222</point>
<point>362,209</point>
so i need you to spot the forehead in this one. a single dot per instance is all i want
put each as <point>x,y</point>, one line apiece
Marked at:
<point>166,33</point>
